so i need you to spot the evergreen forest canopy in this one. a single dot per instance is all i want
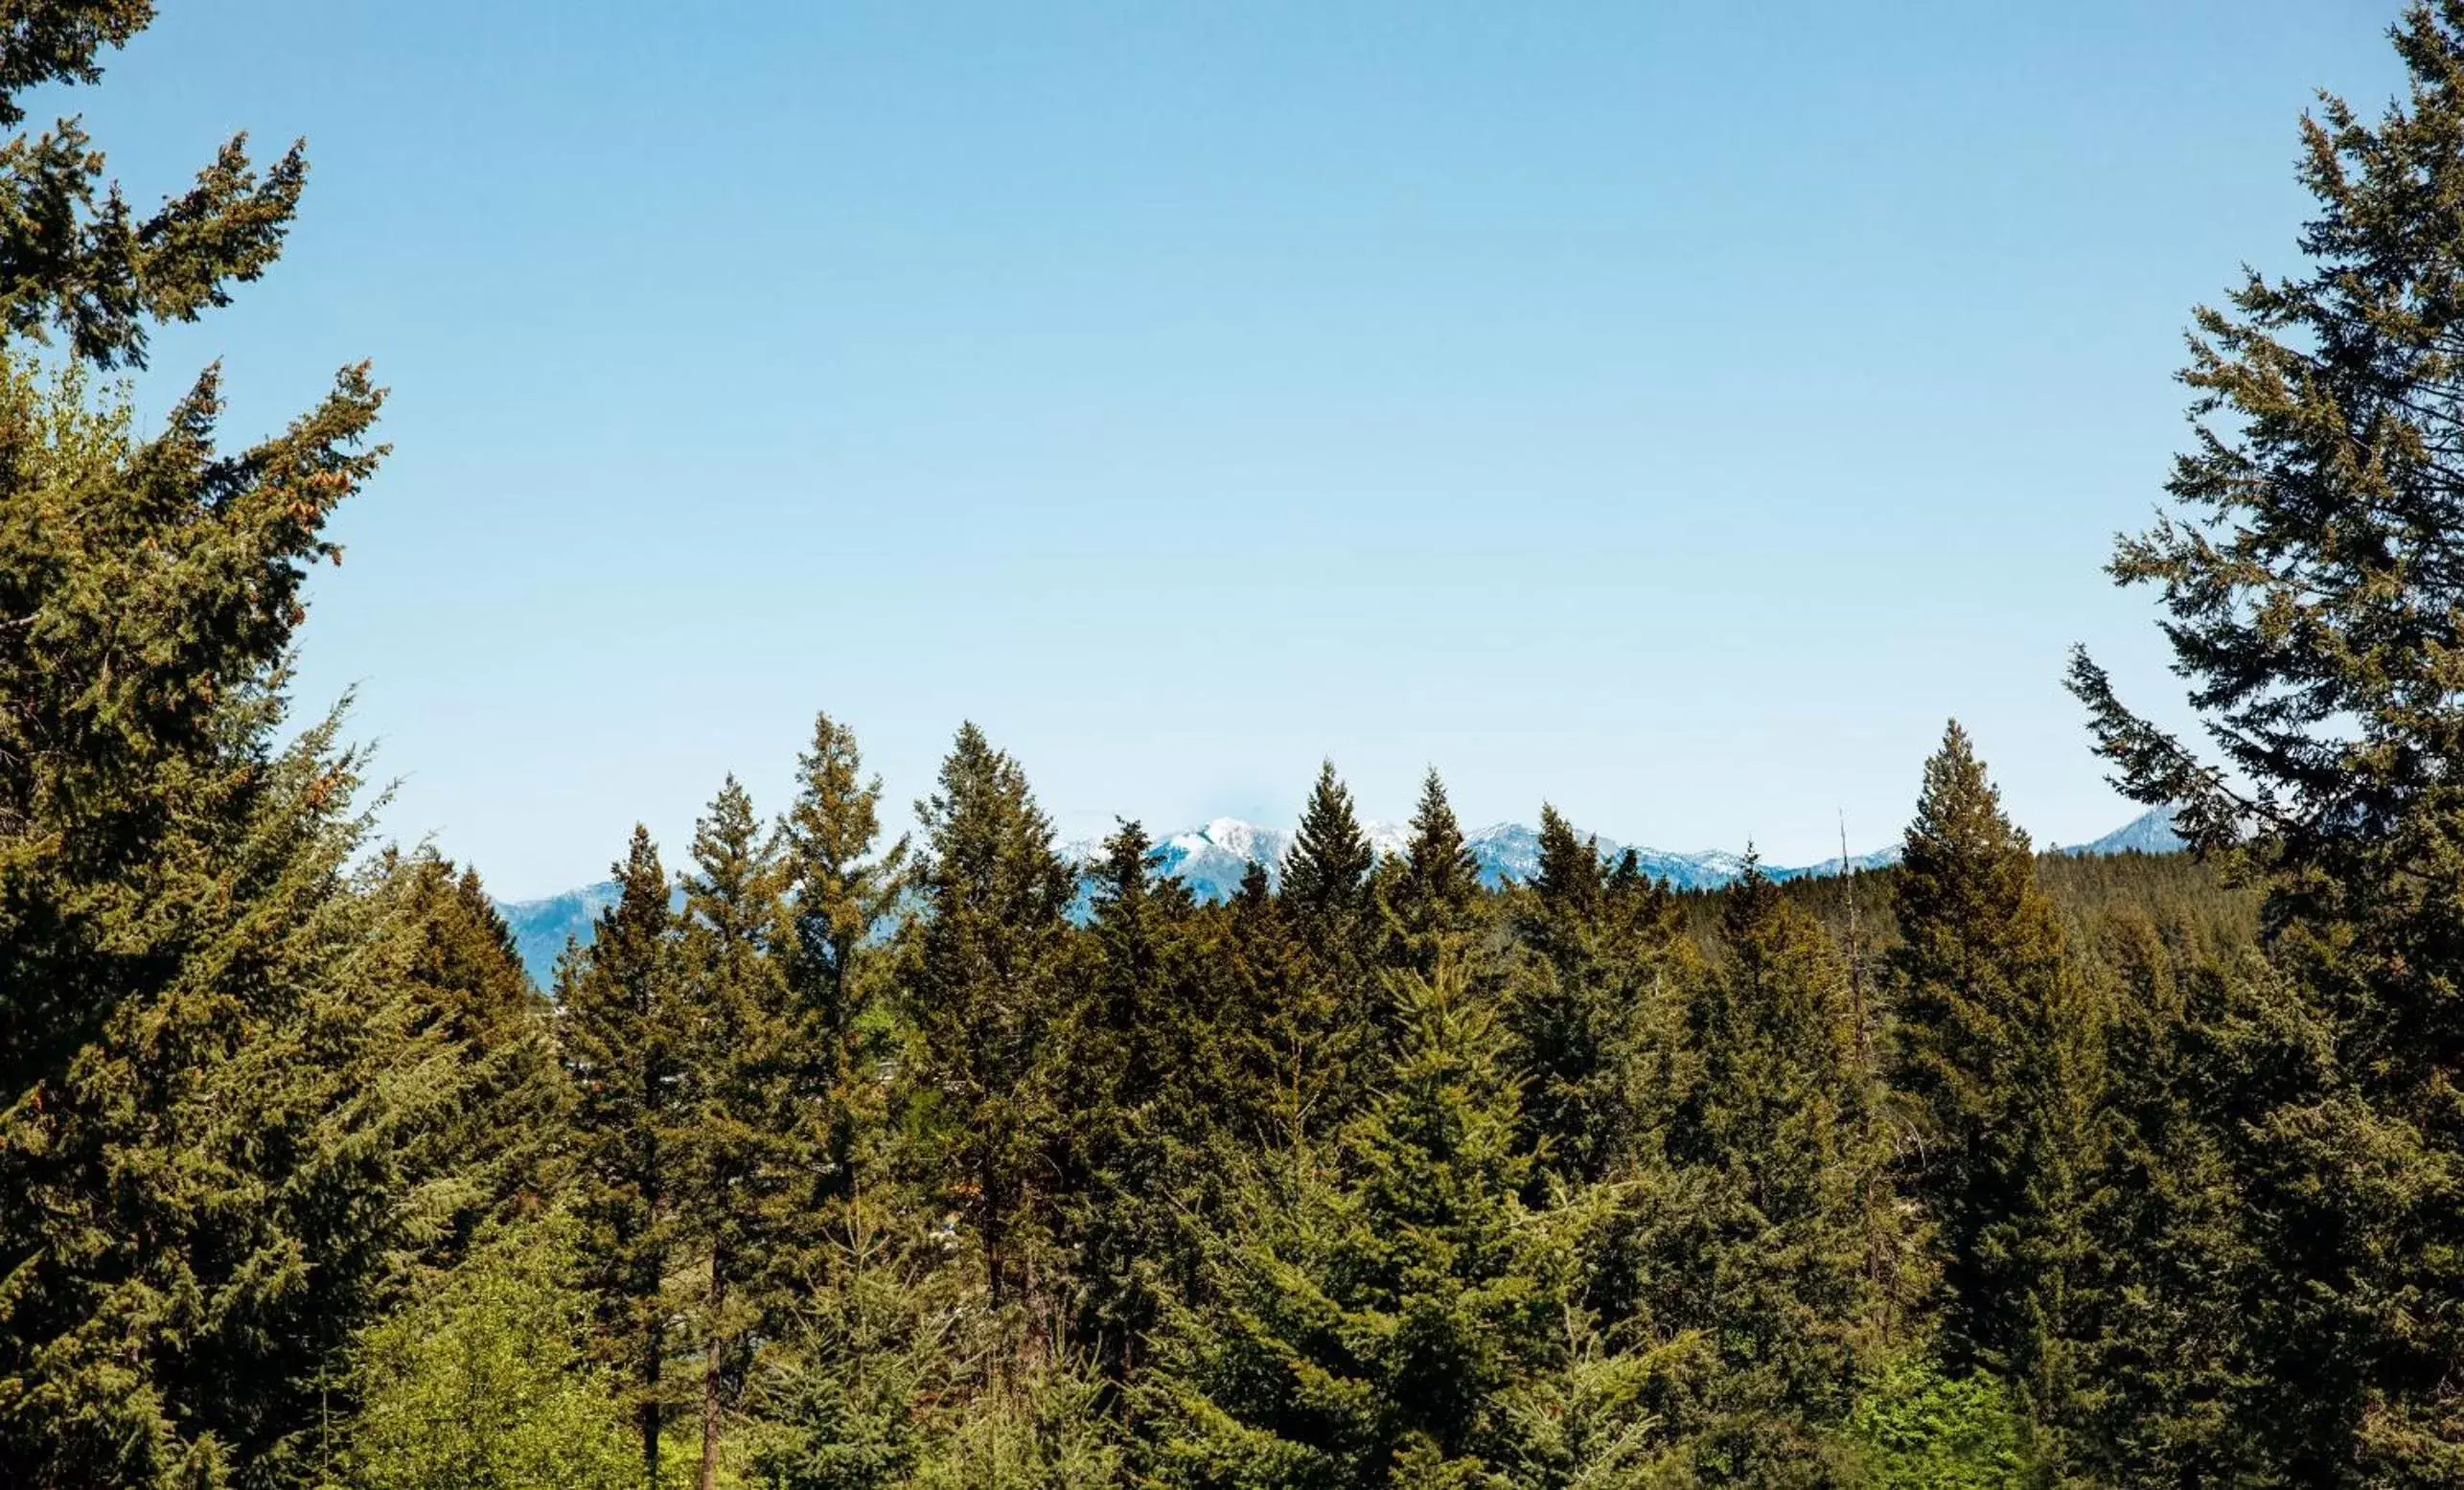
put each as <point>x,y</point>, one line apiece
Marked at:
<point>1986,1169</point>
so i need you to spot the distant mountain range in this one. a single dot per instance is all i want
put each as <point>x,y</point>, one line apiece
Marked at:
<point>1212,859</point>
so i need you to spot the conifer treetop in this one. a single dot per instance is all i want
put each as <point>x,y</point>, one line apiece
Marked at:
<point>841,887</point>
<point>2313,562</point>
<point>75,258</point>
<point>832,830</point>
<point>1570,871</point>
<point>1326,870</point>
<point>986,838</point>
<point>1964,866</point>
<point>1438,867</point>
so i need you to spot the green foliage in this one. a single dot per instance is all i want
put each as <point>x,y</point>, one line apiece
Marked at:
<point>1601,1418</point>
<point>870,1363</point>
<point>224,1106</point>
<point>1792,1237</point>
<point>2308,577</point>
<point>744,1137</point>
<point>1042,1431</point>
<point>1917,1428</point>
<point>1326,877</point>
<point>841,890</point>
<point>220,1108</point>
<point>2193,1046</point>
<point>892,1372</point>
<point>458,966</point>
<point>981,986</point>
<point>1593,1005</point>
<point>1284,1046</point>
<point>1377,1305</point>
<point>1391,1313</point>
<point>1133,1098</point>
<point>1433,897</point>
<point>73,256</point>
<point>626,1038</point>
<point>1328,905</point>
<point>2131,1172</point>
<point>481,1382</point>
<point>2000,1050</point>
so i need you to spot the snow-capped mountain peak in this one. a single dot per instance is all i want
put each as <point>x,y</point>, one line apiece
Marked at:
<point>1246,840</point>
<point>1212,858</point>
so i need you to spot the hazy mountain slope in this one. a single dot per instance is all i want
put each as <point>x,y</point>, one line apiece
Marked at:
<point>2151,832</point>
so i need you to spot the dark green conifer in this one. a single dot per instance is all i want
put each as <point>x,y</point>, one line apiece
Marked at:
<point>460,969</point>
<point>1434,894</point>
<point>874,1360</point>
<point>1576,1002</point>
<point>2191,1045</point>
<point>1570,880</point>
<point>2000,1050</point>
<point>841,890</point>
<point>113,548</point>
<point>745,1135</point>
<point>463,955</point>
<point>1628,872</point>
<point>1282,1033</point>
<point>1325,873</point>
<point>74,258</point>
<point>1133,1066</point>
<point>217,1112</point>
<point>1776,1139</point>
<point>1398,1318</point>
<point>1329,898</point>
<point>230,1172</point>
<point>2309,576</point>
<point>981,980</point>
<point>626,1038</point>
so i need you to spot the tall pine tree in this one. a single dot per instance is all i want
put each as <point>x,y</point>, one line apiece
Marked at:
<point>1131,1083</point>
<point>982,983</point>
<point>842,889</point>
<point>2311,582</point>
<point>745,1135</point>
<point>1328,900</point>
<point>1325,873</point>
<point>1576,1006</point>
<point>2000,1050</point>
<point>214,1103</point>
<point>1431,898</point>
<point>627,1041</point>
<point>1281,1026</point>
<point>459,965</point>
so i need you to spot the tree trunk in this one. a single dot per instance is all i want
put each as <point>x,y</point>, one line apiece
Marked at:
<point>996,1232</point>
<point>654,1188</point>
<point>650,1413</point>
<point>711,1358</point>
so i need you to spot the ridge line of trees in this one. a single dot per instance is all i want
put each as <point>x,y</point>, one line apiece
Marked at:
<point>1986,1169</point>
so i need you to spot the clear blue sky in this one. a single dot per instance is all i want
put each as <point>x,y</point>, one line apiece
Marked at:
<point>1675,410</point>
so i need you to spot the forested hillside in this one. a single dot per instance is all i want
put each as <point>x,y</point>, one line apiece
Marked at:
<point>834,1163</point>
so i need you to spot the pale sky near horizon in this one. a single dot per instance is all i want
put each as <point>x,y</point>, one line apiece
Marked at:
<point>1671,410</point>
